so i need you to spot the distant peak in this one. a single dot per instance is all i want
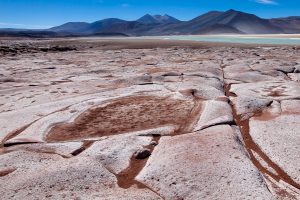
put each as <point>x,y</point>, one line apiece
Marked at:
<point>146,16</point>
<point>235,11</point>
<point>232,10</point>
<point>157,19</point>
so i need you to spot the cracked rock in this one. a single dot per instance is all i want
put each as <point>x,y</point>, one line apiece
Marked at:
<point>204,165</point>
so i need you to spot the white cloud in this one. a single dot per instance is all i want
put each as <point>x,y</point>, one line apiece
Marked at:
<point>10,24</point>
<point>26,26</point>
<point>269,2</point>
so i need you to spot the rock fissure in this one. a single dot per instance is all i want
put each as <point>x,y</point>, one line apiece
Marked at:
<point>251,147</point>
<point>230,123</point>
<point>7,171</point>
<point>85,146</point>
<point>126,178</point>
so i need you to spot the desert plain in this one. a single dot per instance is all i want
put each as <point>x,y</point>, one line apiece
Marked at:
<point>92,118</point>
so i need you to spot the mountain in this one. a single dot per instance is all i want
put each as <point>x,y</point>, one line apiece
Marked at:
<point>157,19</point>
<point>247,23</point>
<point>115,26</point>
<point>71,27</point>
<point>214,22</point>
<point>147,19</point>
<point>111,26</point>
<point>188,27</point>
<point>89,28</point>
<point>288,24</point>
<point>164,19</point>
<point>217,22</point>
<point>218,29</point>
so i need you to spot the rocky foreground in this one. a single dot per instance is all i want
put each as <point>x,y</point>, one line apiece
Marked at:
<point>84,119</point>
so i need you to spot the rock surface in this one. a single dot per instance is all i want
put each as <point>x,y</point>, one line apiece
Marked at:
<point>92,118</point>
<point>203,165</point>
<point>283,145</point>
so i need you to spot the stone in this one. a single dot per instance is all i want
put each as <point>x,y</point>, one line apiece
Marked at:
<point>245,105</point>
<point>297,69</point>
<point>273,90</point>
<point>290,106</point>
<point>280,144</point>
<point>80,177</point>
<point>116,157</point>
<point>204,165</point>
<point>214,113</point>
<point>142,153</point>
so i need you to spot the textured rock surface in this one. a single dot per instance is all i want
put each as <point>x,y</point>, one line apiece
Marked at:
<point>217,121</point>
<point>282,143</point>
<point>214,113</point>
<point>116,157</point>
<point>203,165</point>
<point>74,178</point>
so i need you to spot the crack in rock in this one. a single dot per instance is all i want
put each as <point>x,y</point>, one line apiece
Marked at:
<point>251,147</point>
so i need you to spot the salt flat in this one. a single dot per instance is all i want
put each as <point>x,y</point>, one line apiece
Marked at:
<point>92,118</point>
<point>258,39</point>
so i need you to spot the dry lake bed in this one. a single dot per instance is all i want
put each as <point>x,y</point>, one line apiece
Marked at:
<point>91,118</point>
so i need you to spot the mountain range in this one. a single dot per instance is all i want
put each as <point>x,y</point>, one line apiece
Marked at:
<point>214,22</point>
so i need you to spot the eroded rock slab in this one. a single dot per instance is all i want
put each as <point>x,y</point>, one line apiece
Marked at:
<point>279,90</point>
<point>214,113</point>
<point>115,152</point>
<point>247,106</point>
<point>282,143</point>
<point>74,178</point>
<point>204,165</point>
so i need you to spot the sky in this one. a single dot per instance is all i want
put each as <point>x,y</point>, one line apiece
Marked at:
<point>40,14</point>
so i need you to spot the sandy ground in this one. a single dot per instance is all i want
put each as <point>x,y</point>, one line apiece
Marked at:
<point>103,118</point>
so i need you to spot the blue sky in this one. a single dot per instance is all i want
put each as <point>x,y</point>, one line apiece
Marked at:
<point>47,13</point>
